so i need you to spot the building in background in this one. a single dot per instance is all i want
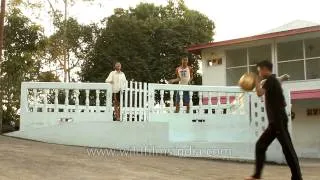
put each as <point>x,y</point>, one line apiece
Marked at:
<point>294,49</point>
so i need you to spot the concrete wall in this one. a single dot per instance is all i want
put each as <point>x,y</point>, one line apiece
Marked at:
<point>213,75</point>
<point>114,135</point>
<point>213,131</point>
<point>179,137</point>
<point>306,133</point>
<point>305,129</point>
<point>302,85</point>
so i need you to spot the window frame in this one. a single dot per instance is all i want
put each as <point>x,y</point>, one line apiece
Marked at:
<point>248,65</point>
<point>304,59</point>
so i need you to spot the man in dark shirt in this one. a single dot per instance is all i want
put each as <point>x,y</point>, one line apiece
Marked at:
<point>278,123</point>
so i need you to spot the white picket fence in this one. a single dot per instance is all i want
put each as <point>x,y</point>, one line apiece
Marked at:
<point>134,102</point>
<point>140,100</point>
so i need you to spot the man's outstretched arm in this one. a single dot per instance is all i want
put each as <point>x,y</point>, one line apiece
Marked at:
<point>282,78</point>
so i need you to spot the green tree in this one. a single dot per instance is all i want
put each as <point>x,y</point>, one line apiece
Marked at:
<point>65,43</point>
<point>22,44</point>
<point>78,42</point>
<point>148,40</point>
<point>27,50</point>
<point>47,77</point>
<point>63,39</point>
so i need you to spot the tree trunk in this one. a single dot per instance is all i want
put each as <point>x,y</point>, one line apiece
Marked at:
<point>65,68</point>
<point>2,14</point>
<point>68,59</point>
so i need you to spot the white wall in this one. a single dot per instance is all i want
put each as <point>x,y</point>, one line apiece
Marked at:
<point>306,133</point>
<point>213,75</point>
<point>302,85</point>
<point>224,128</point>
<point>305,130</point>
<point>216,75</point>
<point>114,135</point>
<point>220,138</point>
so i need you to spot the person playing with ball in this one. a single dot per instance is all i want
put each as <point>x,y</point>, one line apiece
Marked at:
<point>184,77</point>
<point>278,122</point>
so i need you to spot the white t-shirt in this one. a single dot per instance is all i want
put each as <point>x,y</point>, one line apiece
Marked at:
<point>184,74</point>
<point>118,80</point>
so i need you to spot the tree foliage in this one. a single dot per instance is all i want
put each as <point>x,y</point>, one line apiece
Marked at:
<point>23,42</point>
<point>28,51</point>
<point>79,41</point>
<point>48,77</point>
<point>148,40</point>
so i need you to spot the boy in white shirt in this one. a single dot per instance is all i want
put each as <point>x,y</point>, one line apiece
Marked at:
<point>118,80</point>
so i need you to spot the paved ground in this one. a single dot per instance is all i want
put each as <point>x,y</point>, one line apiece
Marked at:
<point>28,160</point>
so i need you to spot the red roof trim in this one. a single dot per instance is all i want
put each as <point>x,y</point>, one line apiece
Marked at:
<point>306,94</point>
<point>197,48</point>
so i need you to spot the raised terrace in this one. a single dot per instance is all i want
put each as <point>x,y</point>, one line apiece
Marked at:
<point>223,122</point>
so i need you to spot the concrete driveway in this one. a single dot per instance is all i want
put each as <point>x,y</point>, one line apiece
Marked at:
<point>29,160</point>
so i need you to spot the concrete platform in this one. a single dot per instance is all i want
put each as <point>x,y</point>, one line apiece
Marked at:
<point>30,160</point>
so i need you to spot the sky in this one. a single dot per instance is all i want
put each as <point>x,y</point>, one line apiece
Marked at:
<point>232,18</point>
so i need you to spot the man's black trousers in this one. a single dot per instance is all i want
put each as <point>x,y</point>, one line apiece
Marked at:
<point>278,128</point>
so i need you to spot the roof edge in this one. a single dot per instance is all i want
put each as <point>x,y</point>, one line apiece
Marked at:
<point>196,49</point>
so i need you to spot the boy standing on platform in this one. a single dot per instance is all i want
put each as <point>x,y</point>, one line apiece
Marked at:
<point>184,77</point>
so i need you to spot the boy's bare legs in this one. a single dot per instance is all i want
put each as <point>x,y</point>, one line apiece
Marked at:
<point>177,108</point>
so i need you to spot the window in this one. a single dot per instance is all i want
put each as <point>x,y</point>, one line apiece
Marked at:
<point>300,59</point>
<point>234,74</point>
<point>312,58</point>
<point>291,59</point>
<point>253,69</point>
<point>242,60</point>
<point>259,53</point>
<point>236,65</point>
<point>312,47</point>
<point>313,68</point>
<point>294,69</point>
<point>236,57</point>
<point>290,51</point>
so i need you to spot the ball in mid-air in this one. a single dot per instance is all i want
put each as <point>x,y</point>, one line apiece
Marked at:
<point>247,81</point>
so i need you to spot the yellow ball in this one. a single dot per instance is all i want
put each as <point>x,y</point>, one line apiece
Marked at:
<point>247,81</point>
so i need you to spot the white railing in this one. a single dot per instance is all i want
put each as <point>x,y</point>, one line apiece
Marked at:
<point>210,100</point>
<point>218,116</point>
<point>139,101</point>
<point>62,102</point>
<point>134,102</point>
